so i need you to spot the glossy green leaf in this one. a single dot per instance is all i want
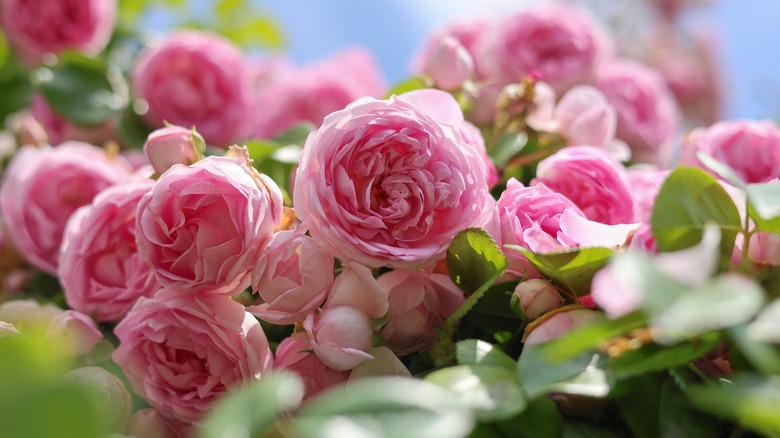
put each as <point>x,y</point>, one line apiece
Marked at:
<point>474,260</point>
<point>723,170</point>
<point>580,375</point>
<point>572,270</point>
<point>16,89</point>
<point>476,352</point>
<point>490,391</point>
<point>507,147</point>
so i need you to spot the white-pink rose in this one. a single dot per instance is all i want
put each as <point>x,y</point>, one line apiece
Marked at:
<point>183,352</point>
<point>44,186</point>
<point>419,304</point>
<point>391,182</point>
<point>340,336</point>
<point>100,268</point>
<point>293,275</point>
<point>201,227</point>
<point>197,79</point>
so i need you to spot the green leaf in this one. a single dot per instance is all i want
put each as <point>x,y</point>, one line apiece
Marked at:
<point>764,205</point>
<point>476,352</point>
<point>79,90</point>
<point>251,411</point>
<point>16,89</point>
<point>411,84</point>
<point>721,303</point>
<point>752,401</point>
<point>256,31</point>
<point>573,269</point>
<point>474,259</point>
<point>722,169</point>
<point>590,336</point>
<point>490,391</point>
<point>296,135</point>
<point>132,130</point>
<point>383,407</point>
<point>639,405</point>
<point>507,147</point>
<point>764,357</point>
<point>687,201</point>
<point>580,375</point>
<point>541,419</point>
<point>650,359</point>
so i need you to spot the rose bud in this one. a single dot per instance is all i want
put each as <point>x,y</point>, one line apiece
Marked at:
<point>111,391</point>
<point>340,337</point>
<point>557,323</point>
<point>294,354</point>
<point>356,287</point>
<point>532,298</point>
<point>449,65</point>
<point>172,145</point>
<point>75,331</point>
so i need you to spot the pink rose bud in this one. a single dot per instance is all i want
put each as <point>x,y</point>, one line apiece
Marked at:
<point>356,287</point>
<point>7,328</point>
<point>101,270</point>
<point>75,332</point>
<point>396,206</point>
<point>556,325</point>
<point>533,298</point>
<point>419,304</point>
<point>584,117</point>
<point>147,423</point>
<point>44,186</point>
<point>449,64</point>
<point>208,342</point>
<point>197,79</point>
<point>173,145</point>
<point>201,227</point>
<point>36,28</point>
<point>340,336</point>
<point>112,393</point>
<point>294,354</point>
<point>292,275</point>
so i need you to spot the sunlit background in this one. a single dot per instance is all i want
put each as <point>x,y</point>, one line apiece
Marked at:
<point>746,32</point>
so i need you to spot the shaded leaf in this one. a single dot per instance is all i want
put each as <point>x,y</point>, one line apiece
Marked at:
<point>490,391</point>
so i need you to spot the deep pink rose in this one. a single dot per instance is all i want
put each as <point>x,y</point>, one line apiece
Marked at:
<point>593,180</point>
<point>647,113</point>
<point>390,182</point>
<point>35,28</point>
<point>182,352</point>
<point>558,44</point>
<point>100,268</point>
<point>750,147</point>
<point>197,79</point>
<point>44,186</point>
<point>294,354</point>
<point>172,145</point>
<point>293,275</point>
<point>311,93</point>
<point>340,336</point>
<point>201,227</point>
<point>419,304</point>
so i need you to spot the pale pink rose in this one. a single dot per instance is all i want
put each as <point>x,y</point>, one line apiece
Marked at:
<point>24,314</point>
<point>449,64</point>
<point>473,137</point>
<point>35,28</point>
<point>593,180</point>
<point>561,323</point>
<point>293,275</point>
<point>535,297</point>
<point>59,130</point>
<point>148,423</point>
<point>356,286</point>
<point>294,354</point>
<point>648,117</point>
<point>391,182</point>
<point>100,268</point>
<point>645,182</point>
<point>136,159</point>
<point>267,70</point>
<point>172,145</point>
<point>197,79</point>
<point>467,33</point>
<point>312,92</point>
<point>183,352</point>
<point>44,186</point>
<point>765,248</point>
<point>584,117</point>
<point>750,147</point>
<point>340,336</point>
<point>541,113</point>
<point>559,45</point>
<point>482,102</point>
<point>419,304</point>
<point>74,331</point>
<point>201,227</point>
<point>111,393</point>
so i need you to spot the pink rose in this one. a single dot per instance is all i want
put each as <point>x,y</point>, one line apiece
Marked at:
<point>197,79</point>
<point>294,354</point>
<point>100,268</point>
<point>419,304</point>
<point>44,186</point>
<point>173,145</point>
<point>148,423</point>
<point>390,182</point>
<point>647,114</point>
<point>58,129</point>
<point>74,331</point>
<point>559,44</point>
<point>645,182</point>
<point>201,227</point>
<point>750,147</point>
<point>311,93</point>
<point>593,180</point>
<point>35,28</point>
<point>765,248</point>
<point>293,275</point>
<point>340,336</point>
<point>535,297</point>
<point>561,322</point>
<point>181,353</point>
<point>356,287</point>
<point>467,33</point>
<point>473,137</point>
<point>449,65</point>
<point>584,117</point>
